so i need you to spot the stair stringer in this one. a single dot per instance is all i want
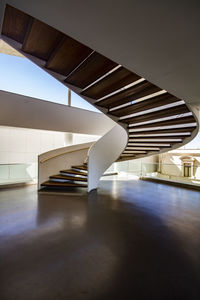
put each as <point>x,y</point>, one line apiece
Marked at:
<point>104,152</point>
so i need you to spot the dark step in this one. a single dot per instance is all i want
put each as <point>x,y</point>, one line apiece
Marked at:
<point>95,66</point>
<point>171,131</point>
<point>81,167</point>
<point>65,177</point>
<point>177,121</point>
<point>111,83</point>
<point>167,112</point>
<point>144,105</point>
<point>135,92</point>
<point>62,184</point>
<point>74,172</point>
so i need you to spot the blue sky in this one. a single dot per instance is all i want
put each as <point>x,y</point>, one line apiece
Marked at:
<point>21,76</point>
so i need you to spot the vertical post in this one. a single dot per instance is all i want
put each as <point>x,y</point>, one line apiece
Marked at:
<point>68,136</point>
<point>69,97</point>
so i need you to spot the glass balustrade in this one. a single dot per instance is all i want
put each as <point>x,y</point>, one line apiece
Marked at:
<point>18,173</point>
<point>183,173</point>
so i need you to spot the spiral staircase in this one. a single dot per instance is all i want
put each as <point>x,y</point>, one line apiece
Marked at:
<point>154,120</point>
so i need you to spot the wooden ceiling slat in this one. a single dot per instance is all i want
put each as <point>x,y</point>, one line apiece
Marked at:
<point>111,83</point>
<point>41,39</point>
<point>178,121</point>
<point>135,92</point>
<point>15,24</point>
<point>94,67</point>
<point>145,105</point>
<point>67,56</point>
<point>158,114</point>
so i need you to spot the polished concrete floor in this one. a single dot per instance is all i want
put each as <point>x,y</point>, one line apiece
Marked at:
<point>131,240</point>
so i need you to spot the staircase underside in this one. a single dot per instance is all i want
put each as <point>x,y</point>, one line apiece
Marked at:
<point>155,120</point>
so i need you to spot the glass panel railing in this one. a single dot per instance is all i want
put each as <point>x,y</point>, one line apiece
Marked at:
<point>186,173</point>
<point>16,173</point>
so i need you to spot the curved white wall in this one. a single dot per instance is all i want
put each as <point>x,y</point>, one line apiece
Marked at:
<point>104,152</point>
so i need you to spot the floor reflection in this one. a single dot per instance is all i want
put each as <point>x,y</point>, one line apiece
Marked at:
<point>128,240</point>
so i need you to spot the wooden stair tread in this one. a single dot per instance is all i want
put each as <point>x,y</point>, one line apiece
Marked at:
<point>81,167</point>
<point>48,37</point>
<point>150,103</point>
<point>135,92</point>
<point>15,23</point>
<point>74,172</point>
<point>72,178</point>
<point>150,144</point>
<point>62,184</point>
<point>114,81</point>
<point>168,112</point>
<point>177,121</point>
<point>67,56</point>
<point>95,66</point>
<point>171,131</point>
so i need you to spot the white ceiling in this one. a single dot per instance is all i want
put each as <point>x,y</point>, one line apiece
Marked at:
<point>159,40</point>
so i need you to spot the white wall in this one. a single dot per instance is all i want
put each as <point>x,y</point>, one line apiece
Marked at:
<point>84,138</point>
<point>21,145</point>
